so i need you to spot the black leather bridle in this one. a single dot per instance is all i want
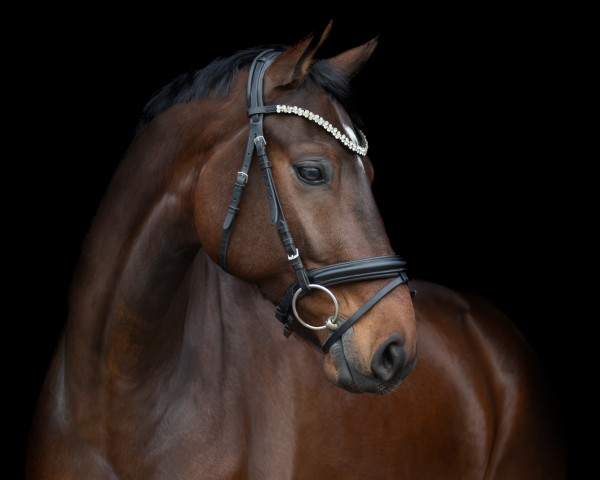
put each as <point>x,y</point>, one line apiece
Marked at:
<point>386,266</point>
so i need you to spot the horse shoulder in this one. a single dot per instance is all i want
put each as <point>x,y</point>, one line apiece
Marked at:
<point>477,348</point>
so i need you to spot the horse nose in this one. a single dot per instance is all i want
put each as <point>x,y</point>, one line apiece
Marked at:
<point>389,360</point>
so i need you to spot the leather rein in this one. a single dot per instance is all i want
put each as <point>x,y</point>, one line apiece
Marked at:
<point>386,266</point>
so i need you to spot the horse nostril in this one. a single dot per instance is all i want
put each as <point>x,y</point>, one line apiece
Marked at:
<point>389,355</point>
<point>389,358</point>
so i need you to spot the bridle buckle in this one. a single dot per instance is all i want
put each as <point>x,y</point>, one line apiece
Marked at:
<point>242,178</point>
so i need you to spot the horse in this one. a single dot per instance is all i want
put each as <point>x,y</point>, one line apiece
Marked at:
<point>237,310</point>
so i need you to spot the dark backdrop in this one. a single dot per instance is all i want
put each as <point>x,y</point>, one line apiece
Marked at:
<point>460,111</point>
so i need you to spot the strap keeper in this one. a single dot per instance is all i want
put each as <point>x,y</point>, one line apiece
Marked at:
<point>241,179</point>
<point>261,146</point>
<point>288,329</point>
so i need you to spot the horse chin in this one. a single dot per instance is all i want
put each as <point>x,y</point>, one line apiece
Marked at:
<point>349,376</point>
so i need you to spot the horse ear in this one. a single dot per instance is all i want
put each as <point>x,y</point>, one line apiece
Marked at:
<point>293,64</point>
<point>350,62</point>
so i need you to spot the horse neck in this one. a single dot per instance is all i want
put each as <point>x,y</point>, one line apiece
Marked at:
<point>128,295</point>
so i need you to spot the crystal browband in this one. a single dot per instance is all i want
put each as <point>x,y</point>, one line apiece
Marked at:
<point>341,137</point>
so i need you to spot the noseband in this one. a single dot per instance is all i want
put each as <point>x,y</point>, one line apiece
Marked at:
<point>386,266</point>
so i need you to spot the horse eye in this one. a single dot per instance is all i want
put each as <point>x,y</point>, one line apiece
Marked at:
<point>310,174</point>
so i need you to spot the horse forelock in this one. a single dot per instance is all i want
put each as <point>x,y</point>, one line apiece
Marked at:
<point>218,78</point>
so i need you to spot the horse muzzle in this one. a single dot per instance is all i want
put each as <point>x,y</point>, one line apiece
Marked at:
<point>389,365</point>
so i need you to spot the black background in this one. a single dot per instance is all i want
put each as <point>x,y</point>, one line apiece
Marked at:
<point>462,111</point>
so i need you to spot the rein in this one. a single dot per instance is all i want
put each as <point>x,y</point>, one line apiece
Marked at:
<point>387,266</point>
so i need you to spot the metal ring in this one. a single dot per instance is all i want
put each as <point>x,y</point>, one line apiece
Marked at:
<point>330,323</point>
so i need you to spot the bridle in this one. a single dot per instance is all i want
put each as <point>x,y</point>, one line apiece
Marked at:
<point>386,266</point>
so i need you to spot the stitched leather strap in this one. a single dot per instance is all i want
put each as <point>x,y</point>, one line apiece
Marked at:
<point>256,142</point>
<point>255,112</point>
<point>372,268</point>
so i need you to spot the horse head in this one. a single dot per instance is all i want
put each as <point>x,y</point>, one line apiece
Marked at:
<point>307,230</point>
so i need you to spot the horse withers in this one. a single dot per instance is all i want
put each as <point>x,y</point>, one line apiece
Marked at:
<point>243,209</point>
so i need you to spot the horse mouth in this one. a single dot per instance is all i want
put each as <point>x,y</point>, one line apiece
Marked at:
<point>356,380</point>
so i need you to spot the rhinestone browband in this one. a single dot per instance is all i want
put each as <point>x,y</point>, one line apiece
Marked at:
<point>341,137</point>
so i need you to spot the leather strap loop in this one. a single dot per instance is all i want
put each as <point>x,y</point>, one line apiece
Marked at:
<point>344,327</point>
<point>263,109</point>
<point>372,268</point>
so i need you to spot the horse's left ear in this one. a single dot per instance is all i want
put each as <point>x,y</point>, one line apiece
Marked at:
<point>352,61</point>
<point>291,66</point>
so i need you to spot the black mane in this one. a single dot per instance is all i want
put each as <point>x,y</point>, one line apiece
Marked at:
<point>218,76</point>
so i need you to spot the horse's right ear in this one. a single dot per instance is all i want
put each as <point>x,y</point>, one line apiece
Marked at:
<point>291,66</point>
<point>350,62</point>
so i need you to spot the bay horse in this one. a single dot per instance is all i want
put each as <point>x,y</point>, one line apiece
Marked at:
<point>245,197</point>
